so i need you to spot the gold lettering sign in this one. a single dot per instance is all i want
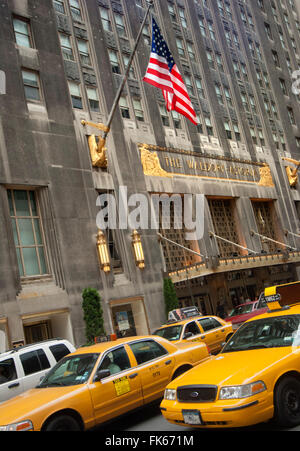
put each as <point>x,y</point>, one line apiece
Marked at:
<point>166,162</point>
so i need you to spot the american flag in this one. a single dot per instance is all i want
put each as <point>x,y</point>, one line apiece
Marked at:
<point>163,73</point>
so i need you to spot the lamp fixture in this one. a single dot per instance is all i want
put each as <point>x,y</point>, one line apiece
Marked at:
<point>103,251</point>
<point>138,249</point>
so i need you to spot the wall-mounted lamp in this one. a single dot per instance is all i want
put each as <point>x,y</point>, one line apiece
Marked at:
<point>138,250</point>
<point>103,252</point>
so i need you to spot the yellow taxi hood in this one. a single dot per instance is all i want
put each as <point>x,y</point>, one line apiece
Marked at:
<point>233,368</point>
<point>21,406</point>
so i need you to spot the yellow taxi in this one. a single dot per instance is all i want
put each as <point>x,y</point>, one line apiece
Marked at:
<point>211,330</point>
<point>99,382</point>
<point>255,378</point>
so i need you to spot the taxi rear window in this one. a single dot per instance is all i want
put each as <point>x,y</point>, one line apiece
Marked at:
<point>144,351</point>
<point>170,333</point>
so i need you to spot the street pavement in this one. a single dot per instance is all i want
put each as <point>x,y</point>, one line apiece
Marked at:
<point>149,419</point>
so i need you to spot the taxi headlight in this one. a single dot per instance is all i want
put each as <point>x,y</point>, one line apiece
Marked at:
<point>242,391</point>
<point>170,394</point>
<point>21,426</point>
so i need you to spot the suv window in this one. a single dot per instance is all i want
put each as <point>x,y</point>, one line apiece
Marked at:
<point>7,371</point>
<point>34,361</point>
<point>59,351</point>
<point>144,351</point>
<point>209,323</point>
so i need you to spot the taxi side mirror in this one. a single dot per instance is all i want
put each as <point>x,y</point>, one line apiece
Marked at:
<point>101,374</point>
<point>187,335</point>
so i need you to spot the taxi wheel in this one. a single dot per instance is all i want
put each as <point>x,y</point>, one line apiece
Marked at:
<point>62,423</point>
<point>287,402</point>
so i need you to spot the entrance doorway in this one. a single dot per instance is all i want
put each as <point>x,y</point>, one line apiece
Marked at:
<point>37,332</point>
<point>128,317</point>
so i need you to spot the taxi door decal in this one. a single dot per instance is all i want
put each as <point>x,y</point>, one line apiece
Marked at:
<point>122,386</point>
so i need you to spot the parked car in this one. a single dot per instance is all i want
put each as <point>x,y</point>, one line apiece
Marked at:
<point>97,383</point>
<point>211,330</point>
<point>243,312</point>
<point>254,379</point>
<point>23,367</point>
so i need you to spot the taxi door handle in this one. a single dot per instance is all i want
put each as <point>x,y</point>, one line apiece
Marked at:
<point>203,336</point>
<point>132,376</point>
<point>16,384</point>
<point>222,330</point>
<point>168,362</point>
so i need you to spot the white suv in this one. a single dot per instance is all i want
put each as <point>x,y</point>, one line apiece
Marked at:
<point>22,368</point>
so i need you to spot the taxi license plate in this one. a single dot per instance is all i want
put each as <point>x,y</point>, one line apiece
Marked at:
<point>191,416</point>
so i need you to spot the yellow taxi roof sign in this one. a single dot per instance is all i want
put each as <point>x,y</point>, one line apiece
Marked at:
<point>279,296</point>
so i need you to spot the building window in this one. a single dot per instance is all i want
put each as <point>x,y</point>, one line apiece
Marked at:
<point>66,47</point>
<point>120,25</point>
<point>28,234</point>
<point>176,119</point>
<point>84,53</point>
<point>210,58</point>
<point>180,47</point>
<point>146,35</point>
<point>283,86</point>
<point>291,115</point>
<point>219,93</point>
<point>138,110</point>
<point>31,85</point>
<point>275,58</point>
<point>93,99</point>
<point>189,84</point>
<point>114,61</point>
<point>22,32</point>
<point>182,17</point>
<point>209,127</point>
<point>106,23</point>
<point>76,96</point>
<point>191,50</point>
<point>164,115</point>
<point>75,10</point>
<point>228,96</point>
<point>268,30</point>
<point>172,12</point>
<point>228,130</point>
<point>59,6</point>
<point>237,132</point>
<point>199,87</point>
<point>125,112</point>
<point>126,59</point>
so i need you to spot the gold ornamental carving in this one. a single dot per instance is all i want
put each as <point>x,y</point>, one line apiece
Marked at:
<point>151,163</point>
<point>291,172</point>
<point>97,145</point>
<point>97,152</point>
<point>265,176</point>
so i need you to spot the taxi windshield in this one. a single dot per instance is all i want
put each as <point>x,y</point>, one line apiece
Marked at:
<point>279,331</point>
<point>71,370</point>
<point>241,309</point>
<point>170,333</point>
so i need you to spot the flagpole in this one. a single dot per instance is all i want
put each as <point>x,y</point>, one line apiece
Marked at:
<point>106,128</point>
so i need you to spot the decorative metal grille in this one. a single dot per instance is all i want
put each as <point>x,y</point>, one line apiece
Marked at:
<point>222,215</point>
<point>175,257</point>
<point>263,216</point>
